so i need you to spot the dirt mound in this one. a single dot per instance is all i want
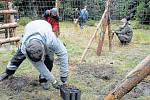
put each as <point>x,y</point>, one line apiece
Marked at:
<point>105,72</point>
<point>14,84</point>
<point>21,88</point>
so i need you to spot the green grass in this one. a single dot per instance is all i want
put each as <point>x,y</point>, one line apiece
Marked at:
<point>142,36</point>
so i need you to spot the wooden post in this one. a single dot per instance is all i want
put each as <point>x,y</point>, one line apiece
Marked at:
<point>141,71</point>
<point>12,19</point>
<point>102,35</point>
<point>103,23</point>
<point>57,3</point>
<point>110,34</point>
<point>105,28</point>
<point>91,40</point>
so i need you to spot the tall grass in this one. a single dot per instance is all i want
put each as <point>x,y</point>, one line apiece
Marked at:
<point>141,36</point>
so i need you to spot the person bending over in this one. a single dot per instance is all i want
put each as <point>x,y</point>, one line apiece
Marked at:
<point>38,45</point>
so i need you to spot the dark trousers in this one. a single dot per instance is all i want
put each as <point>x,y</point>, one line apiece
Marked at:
<point>82,22</point>
<point>19,57</point>
<point>123,39</point>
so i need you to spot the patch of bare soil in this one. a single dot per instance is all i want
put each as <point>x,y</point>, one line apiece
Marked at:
<point>15,85</point>
<point>105,72</point>
<point>142,89</point>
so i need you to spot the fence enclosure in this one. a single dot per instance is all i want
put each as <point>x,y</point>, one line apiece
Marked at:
<point>134,9</point>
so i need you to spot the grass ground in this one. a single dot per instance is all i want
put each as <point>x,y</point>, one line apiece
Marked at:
<point>89,76</point>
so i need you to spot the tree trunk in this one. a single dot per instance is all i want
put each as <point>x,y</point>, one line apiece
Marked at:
<point>141,71</point>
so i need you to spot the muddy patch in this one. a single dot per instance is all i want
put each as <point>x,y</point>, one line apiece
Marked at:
<point>105,72</point>
<point>142,89</point>
<point>15,85</point>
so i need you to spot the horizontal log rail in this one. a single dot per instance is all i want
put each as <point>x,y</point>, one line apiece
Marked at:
<point>8,40</point>
<point>7,0</point>
<point>11,11</point>
<point>8,25</point>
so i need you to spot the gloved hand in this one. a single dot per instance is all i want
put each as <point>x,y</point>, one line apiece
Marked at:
<point>56,85</point>
<point>63,79</point>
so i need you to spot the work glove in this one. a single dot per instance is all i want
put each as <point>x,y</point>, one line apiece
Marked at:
<point>64,80</point>
<point>56,85</point>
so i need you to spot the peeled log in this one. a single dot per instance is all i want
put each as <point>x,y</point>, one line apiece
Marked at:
<point>141,71</point>
<point>8,40</point>
<point>11,11</point>
<point>6,0</point>
<point>8,25</point>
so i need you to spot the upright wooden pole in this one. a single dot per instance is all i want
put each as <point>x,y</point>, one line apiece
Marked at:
<point>92,38</point>
<point>110,34</point>
<point>102,23</point>
<point>105,28</point>
<point>57,4</point>
<point>12,19</point>
<point>141,71</point>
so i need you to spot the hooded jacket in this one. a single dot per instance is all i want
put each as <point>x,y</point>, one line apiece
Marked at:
<point>41,30</point>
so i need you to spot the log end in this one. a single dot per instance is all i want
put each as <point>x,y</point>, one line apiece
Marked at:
<point>109,97</point>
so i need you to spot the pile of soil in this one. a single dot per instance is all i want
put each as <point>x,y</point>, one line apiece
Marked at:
<point>105,72</point>
<point>15,85</point>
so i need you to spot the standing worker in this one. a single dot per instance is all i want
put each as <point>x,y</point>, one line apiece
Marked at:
<point>83,17</point>
<point>76,15</point>
<point>39,45</point>
<point>52,17</point>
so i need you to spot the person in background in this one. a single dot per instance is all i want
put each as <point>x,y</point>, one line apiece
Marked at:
<point>124,32</point>
<point>52,17</point>
<point>38,45</point>
<point>76,15</point>
<point>83,17</point>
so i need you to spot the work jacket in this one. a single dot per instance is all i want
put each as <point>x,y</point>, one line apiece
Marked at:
<point>124,33</point>
<point>42,30</point>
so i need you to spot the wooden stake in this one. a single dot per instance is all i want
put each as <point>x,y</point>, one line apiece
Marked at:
<point>57,4</point>
<point>141,71</point>
<point>105,28</point>
<point>101,23</point>
<point>91,40</point>
<point>110,35</point>
<point>97,28</point>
